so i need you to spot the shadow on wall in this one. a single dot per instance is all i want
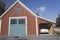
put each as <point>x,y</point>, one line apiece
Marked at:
<point>0,26</point>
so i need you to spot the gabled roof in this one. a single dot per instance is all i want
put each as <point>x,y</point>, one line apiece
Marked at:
<point>20,4</point>
<point>46,19</point>
<point>26,9</point>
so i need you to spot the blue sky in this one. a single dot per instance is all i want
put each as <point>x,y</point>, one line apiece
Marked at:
<point>45,8</point>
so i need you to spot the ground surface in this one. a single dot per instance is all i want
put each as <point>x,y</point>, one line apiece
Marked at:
<point>57,29</point>
<point>40,37</point>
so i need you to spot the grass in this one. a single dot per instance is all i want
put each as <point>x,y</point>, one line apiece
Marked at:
<point>58,33</point>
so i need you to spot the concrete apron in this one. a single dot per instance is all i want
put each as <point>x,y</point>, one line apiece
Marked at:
<point>40,37</point>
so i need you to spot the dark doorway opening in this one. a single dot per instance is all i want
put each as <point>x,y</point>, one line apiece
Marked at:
<point>44,28</point>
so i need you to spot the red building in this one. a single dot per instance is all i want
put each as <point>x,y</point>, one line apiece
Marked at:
<point>20,20</point>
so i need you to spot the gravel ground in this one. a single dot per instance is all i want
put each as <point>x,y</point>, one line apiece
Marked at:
<point>40,37</point>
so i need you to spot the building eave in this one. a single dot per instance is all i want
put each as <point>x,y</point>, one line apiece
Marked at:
<point>22,5</point>
<point>46,19</point>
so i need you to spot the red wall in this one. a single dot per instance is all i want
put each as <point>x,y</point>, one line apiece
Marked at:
<point>31,22</point>
<point>42,21</point>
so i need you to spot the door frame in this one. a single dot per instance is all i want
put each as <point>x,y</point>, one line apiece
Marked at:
<point>17,18</point>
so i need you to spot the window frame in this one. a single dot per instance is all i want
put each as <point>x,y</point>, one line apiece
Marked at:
<point>13,21</point>
<point>17,18</point>
<point>22,20</point>
<point>18,10</point>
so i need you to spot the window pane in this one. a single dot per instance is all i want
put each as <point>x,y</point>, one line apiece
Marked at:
<point>17,10</point>
<point>21,21</point>
<point>13,21</point>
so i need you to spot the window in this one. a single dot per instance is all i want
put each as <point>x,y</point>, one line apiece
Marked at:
<point>21,21</point>
<point>17,10</point>
<point>17,21</point>
<point>13,21</point>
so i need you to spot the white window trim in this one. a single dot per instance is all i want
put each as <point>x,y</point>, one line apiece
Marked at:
<point>17,18</point>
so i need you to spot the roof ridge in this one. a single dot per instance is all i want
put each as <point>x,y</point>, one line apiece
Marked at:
<point>24,7</point>
<point>19,3</point>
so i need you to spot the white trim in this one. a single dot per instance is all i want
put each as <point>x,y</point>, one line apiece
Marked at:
<point>17,18</point>
<point>22,5</point>
<point>37,27</point>
<point>45,19</point>
<point>17,0</point>
<point>8,9</point>
<point>27,8</point>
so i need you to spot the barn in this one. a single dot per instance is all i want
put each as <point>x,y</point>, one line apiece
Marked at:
<point>18,19</point>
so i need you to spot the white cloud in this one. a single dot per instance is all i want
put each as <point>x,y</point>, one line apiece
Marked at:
<point>42,9</point>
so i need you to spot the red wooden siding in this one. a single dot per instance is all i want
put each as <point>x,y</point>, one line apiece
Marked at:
<point>42,21</point>
<point>31,22</point>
